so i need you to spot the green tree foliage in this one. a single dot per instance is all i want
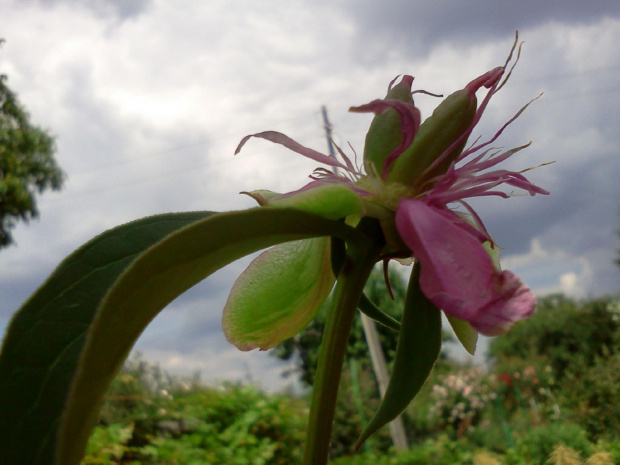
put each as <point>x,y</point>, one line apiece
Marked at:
<point>593,398</point>
<point>27,164</point>
<point>564,334</point>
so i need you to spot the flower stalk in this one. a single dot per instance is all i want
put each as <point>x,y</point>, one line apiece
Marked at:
<point>358,263</point>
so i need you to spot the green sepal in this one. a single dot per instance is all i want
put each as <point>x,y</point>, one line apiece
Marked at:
<point>418,347</point>
<point>494,253</point>
<point>465,333</point>
<point>331,201</point>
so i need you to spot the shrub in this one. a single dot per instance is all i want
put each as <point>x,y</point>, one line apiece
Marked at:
<point>440,451</point>
<point>231,425</point>
<point>107,445</point>
<point>138,390</point>
<point>594,398</point>
<point>566,335</point>
<point>537,445</point>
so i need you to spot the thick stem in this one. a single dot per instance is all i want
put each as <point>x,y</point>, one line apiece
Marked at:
<point>351,280</point>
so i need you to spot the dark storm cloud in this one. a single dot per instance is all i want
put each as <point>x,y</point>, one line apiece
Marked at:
<point>420,24</point>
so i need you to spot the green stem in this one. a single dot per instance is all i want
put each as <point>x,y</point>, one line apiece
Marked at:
<point>355,271</point>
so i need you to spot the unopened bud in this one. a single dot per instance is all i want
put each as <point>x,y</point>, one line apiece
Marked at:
<point>450,120</point>
<point>385,133</point>
<point>442,137</point>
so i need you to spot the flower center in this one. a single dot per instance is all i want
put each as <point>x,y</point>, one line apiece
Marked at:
<point>386,194</point>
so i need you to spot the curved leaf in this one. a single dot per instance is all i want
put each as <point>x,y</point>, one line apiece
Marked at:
<point>157,277</point>
<point>278,294</point>
<point>368,308</point>
<point>67,342</point>
<point>44,340</point>
<point>419,342</point>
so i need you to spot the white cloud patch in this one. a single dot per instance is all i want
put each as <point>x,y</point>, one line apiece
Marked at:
<point>551,271</point>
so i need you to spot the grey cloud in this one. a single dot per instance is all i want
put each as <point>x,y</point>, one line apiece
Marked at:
<point>15,289</point>
<point>420,24</point>
<point>120,9</point>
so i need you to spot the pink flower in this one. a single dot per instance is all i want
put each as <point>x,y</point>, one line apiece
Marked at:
<point>414,182</point>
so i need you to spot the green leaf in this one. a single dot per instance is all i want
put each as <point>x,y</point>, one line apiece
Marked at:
<point>465,333</point>
<point>419,342</point>
<point>156,278</point>
<point>45,338</point>
<point>278,294</point>
<point>368,308</point>
<point>65,345</point>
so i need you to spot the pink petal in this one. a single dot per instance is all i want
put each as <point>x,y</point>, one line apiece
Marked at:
<point>457,273</point>
<point>279,138</point>
<point>513,302</point>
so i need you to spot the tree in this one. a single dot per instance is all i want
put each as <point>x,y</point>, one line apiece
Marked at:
<point>27,164</point>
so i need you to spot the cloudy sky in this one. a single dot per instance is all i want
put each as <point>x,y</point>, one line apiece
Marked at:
<point>148,99</point>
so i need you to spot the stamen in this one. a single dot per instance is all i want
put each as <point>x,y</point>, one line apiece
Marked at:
<point>501,130</point>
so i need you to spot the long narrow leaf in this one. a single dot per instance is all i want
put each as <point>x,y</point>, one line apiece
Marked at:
<point>417,350</point>
<point>65,345</point>
<point>156,278</point>
<point>46,336</point>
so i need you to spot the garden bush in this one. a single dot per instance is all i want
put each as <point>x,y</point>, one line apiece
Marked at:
<point>230,425</point>
<point>593,398</point>
<point>569,336</point>
<point>537,445</point>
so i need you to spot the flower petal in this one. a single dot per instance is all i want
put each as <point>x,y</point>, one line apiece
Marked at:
<point>409,124</point>
<point>278,294</point>
<point>512,302</point>
<point>457,273</point>
<point>279,138</point>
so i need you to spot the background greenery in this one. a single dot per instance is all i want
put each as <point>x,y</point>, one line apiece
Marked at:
<point>549,395</point>
<point>27,163</point>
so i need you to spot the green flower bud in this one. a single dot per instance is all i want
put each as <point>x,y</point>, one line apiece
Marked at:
<point>386,133</point>
<point>445,126</point>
